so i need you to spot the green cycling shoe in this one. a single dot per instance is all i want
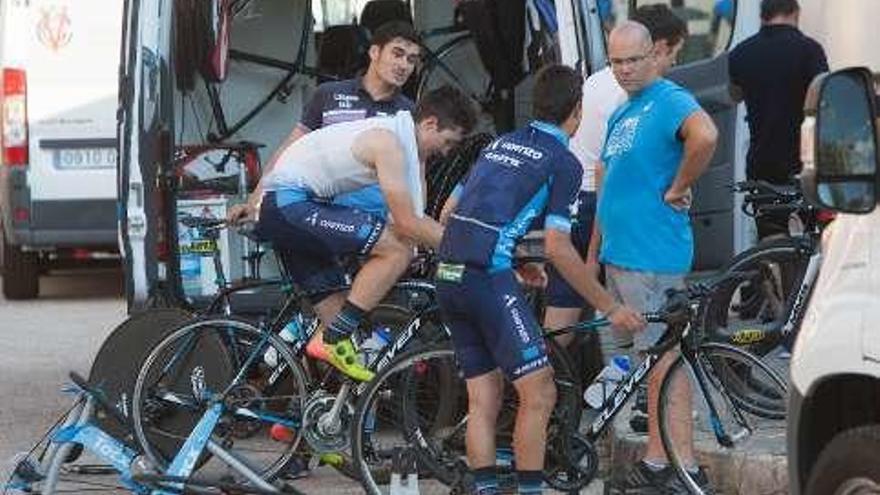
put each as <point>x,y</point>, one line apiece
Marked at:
<point>345,358</point>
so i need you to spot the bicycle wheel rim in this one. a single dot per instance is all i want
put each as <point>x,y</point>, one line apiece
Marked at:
<point>275,394</point>
<point>745,435</point>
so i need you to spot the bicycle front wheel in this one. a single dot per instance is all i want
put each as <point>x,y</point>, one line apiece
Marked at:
<point>709,410</point>
<point>221,361</point>
<point>414,410</point>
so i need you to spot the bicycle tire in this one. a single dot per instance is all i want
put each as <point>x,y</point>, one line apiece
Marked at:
<point>116,365</point>
<point>739,426</point>
<point>438,444</point>
<point>452,63</point>
<point>394,318</point>
<point>207,354</point>
<point>371,460</point>
<point>755,324</point>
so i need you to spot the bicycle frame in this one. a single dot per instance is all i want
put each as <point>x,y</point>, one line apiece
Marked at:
<point>383,358</point>
<point>629,384</point>
<point>798,302</point>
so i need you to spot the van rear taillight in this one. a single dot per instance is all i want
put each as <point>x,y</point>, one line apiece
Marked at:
<point>13,102</point>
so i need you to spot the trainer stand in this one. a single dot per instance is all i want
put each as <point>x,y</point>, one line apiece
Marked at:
<point>77,432</point>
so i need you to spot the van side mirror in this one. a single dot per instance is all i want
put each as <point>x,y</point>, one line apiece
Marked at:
<point>839,142</point>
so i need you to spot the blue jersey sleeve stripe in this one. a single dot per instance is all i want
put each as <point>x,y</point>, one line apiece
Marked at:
<point>456,192</point>
<point>558,222</point>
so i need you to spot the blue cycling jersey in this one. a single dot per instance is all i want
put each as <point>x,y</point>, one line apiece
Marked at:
<point>519,180</point>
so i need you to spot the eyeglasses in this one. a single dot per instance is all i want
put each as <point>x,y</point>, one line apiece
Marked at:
<point>622,62</point>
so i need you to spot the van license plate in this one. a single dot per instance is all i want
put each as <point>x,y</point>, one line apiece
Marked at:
<point>84,158</point>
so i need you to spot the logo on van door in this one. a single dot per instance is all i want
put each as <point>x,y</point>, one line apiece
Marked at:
<point>53,28</point>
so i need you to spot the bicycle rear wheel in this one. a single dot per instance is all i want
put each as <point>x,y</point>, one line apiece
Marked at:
<point>221,360</point>
<point>457,63</point>
<point>749,307</point>
<point>702,399</point>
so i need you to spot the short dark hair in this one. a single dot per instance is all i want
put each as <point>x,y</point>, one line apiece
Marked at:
<point>390,31</point>
<point>773,8</point>
<point>451,107</point>
<point>558,90</point>
<point>662,23</point>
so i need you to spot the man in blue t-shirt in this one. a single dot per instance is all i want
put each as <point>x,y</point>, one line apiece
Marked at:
<point>525,177</point>
<point>657,144</point>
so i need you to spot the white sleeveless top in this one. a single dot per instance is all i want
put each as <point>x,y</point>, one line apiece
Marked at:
<point>322,164</point>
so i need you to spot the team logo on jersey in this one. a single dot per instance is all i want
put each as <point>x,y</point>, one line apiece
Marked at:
<point>622,136</point>
<point>53,28</point>
<point>312,219</point>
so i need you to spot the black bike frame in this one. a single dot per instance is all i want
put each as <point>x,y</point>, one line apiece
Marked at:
<point>627,387</point>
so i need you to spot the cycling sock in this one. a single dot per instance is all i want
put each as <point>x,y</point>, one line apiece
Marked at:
<point>346,322</point>
<point>486,480</point>
<point>530,482</point>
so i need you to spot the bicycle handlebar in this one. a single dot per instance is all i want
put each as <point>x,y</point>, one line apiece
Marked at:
<point>762,197</point>
<point>207,225</point>
<point>767,188</point>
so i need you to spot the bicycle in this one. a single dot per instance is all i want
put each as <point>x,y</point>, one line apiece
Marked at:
<point>763,296</point>
<point>224,353</point>
<point>43,472</point>
<point>730,416</point>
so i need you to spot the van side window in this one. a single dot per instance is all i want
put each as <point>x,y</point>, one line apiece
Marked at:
<point>709,22</point>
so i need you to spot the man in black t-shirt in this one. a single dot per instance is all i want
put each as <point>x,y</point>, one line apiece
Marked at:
<point>771,71</point>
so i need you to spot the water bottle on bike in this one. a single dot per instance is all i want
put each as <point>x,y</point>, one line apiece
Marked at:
<point>291,332</point>
<point>606,381</point>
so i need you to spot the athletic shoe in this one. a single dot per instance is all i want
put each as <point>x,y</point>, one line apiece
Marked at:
<point>343,356</point>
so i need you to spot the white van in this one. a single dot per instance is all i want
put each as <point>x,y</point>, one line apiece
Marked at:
<point>59,61</point>
<point>834,410</point>
<point>275,60</point>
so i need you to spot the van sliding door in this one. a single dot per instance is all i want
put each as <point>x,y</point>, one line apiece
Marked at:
<point>144,118</point>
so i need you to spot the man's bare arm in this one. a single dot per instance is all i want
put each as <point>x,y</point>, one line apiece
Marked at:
<point>596,234</point>
<point>700,136</point>
<point>448,208</point>
<point>298,132</point>
<point>565,258</point>
<point>248,210</point>
<point>381,149</point>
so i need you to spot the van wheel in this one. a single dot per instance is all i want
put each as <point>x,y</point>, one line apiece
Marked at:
<point>21,278</point>
<point>849,464</point>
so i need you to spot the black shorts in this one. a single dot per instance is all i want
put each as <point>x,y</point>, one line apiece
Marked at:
<point>559,293</point>
<point>313,235</point>
<point>492,324</point>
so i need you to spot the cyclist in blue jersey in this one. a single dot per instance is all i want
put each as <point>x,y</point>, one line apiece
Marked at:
<point>522,178</point>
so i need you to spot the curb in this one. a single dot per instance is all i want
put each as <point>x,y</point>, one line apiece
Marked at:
<point>746,473</point>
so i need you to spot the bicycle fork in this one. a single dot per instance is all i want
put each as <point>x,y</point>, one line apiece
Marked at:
<point>724,438</point>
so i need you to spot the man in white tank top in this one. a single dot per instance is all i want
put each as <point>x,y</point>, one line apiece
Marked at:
<point>320,204</point>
